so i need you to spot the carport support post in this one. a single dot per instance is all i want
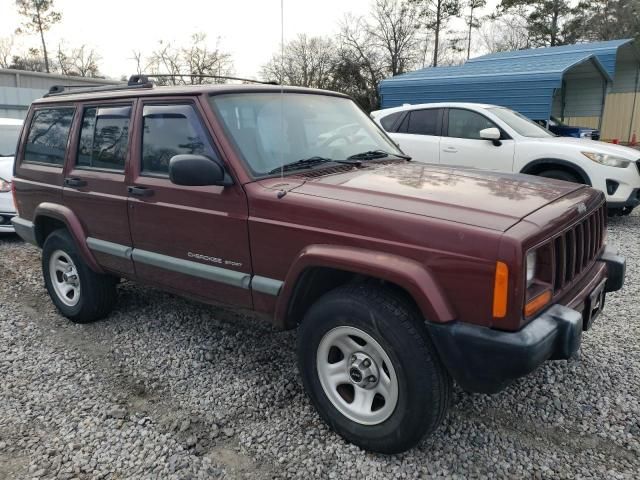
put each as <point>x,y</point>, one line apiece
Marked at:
<point>633,109</point>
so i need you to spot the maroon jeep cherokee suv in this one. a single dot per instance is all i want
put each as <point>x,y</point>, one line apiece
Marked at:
<point>400,277</point>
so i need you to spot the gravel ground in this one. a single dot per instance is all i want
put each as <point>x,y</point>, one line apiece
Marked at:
<point>167,388</point>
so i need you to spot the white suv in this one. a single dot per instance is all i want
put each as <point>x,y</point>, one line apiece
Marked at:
<point>9,133</point>
<point>496,138</point>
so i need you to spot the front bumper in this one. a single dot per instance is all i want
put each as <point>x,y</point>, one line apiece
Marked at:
<point>632,201</point>
<point>484,360</point>
<point>5,222</point>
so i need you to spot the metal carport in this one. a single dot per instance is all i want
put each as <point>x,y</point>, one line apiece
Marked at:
<point>525,83</point>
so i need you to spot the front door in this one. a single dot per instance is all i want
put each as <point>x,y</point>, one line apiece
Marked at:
<point>461,144</point>
<point>94,185</point>
<point>186,239</point>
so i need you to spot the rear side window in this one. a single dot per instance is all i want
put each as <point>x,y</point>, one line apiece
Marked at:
<point>423,122</point>
<point>170,130</point>
<point>48,134</point>
<point>389,121</point>
<point>104,137</point>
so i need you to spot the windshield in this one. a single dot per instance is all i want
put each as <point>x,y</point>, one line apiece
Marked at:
<point>273,129</point>
<point>520,123</point>
<point>9,139</point>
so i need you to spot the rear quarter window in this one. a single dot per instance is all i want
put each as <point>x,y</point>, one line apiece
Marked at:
<point>389,121</point>
<point>48,135</point>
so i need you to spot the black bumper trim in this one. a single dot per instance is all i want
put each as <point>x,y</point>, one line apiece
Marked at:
<point>632,202</point>
<point>616,269</point>
<point>484,360</point>
<point>25,229</point>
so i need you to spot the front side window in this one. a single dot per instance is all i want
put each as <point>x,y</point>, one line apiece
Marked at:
<point>48,134</point>
<point>467,124</point>
<point>274,129</point>
<point>170,130</point>
<point>104,138</point>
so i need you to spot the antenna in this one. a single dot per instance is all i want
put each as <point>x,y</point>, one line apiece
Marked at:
<point>282,93</point>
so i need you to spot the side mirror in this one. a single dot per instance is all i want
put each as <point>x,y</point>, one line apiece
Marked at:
<point>492,134</point>
<point>197,171</point>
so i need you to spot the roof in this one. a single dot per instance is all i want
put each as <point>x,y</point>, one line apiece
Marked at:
<point>180,90</point>
<point>523,83</point>
<point>605,52</point>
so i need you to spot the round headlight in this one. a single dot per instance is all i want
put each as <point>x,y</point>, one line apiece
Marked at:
<point>531,267</point>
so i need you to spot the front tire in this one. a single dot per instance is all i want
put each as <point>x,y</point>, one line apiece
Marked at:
<point>370,369</point>
<point>78,292</point>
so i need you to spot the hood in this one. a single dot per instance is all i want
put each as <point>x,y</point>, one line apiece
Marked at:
<point>594,146</point>
<point>484,199</point>
<point>6,168</point>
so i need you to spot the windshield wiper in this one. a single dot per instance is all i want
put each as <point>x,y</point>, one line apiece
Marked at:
<point>372,154</point>
<point>310,162</point>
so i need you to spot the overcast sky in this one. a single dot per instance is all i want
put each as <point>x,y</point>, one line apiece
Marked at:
<point>248,29</point>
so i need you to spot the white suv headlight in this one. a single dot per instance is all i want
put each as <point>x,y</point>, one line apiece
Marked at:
<point>608,160</point>
<point>532,259</point>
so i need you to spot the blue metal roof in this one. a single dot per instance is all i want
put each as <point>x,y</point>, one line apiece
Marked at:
<point>605,52</point>
<point>524,83</point>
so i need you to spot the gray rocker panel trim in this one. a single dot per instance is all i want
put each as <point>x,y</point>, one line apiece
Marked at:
<point>266,285</point>
<point>110,248</point>
<point>260,284</point>
<point>208,272</point>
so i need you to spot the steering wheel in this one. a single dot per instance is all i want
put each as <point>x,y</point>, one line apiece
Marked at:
<point>330,140</point>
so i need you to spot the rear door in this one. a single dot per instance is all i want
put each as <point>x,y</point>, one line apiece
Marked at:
<point>94,185</point>
<point>41,157</point>
<point>186,239</point>
<point>461,144</point>
<point>419,134</point>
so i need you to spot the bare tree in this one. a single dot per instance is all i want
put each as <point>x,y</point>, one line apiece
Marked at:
<point>393,26</point>
<point>77,62</point>
<point>305,61</point>
<point>39,18</point>
<point>188,65</point>
<point>7,51</point>
<point>505,33</point>
<point>32,61</point>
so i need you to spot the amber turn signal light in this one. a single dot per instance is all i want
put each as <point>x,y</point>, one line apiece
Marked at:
<point>536,304</point>
<point>500,290</point>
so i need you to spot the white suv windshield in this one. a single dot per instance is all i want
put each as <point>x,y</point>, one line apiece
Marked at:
<point>272,129</point>
<point>9,139</point>
<point>520,123</point>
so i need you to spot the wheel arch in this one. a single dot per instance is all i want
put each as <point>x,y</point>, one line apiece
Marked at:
<point>535,167</point>
<point>50,216</point>
<point>320,268</point>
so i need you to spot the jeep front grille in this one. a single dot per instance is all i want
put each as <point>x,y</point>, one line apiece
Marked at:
<point>576,249</point>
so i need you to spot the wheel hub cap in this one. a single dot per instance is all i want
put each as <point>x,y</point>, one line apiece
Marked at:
<point>64,278</point>
<point>363,371</point>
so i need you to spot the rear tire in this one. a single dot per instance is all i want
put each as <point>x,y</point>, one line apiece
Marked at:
<point>399,392</point>
<point>560,175</point>
<point>78,292</point>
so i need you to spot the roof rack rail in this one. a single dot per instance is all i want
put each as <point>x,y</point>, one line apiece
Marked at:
<point>135,81</point>
<point>145,77</point>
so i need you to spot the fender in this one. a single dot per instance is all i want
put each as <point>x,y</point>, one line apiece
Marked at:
<point>75,228</point>
<point>556,161</point>
<point>414,277</point>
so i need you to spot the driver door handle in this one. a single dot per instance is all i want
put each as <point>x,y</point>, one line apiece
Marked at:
<point>74,182</point>
<point>450,150</point>
<point>139,191</point>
